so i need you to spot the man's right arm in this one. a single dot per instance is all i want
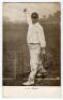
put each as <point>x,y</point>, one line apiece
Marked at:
<point>28,17</point>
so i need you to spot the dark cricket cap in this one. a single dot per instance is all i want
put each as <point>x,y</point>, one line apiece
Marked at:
<point>34,15</point>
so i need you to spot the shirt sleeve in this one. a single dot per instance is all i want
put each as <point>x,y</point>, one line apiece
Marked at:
<point>41,37</point>
<point>29,21</point>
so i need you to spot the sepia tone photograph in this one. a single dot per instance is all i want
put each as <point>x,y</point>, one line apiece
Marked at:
<point>31,44</point>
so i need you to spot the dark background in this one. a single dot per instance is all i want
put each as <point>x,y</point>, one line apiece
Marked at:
<point>16,54</point>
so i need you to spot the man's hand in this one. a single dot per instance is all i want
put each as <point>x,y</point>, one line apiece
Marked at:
<point>43,51</point>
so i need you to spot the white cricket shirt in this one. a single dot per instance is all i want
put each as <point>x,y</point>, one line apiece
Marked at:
<point>36,34</point>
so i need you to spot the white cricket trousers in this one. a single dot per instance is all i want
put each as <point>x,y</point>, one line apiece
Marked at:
<point>35,61</point>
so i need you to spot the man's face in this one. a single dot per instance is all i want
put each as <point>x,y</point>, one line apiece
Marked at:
<point>34,20</point>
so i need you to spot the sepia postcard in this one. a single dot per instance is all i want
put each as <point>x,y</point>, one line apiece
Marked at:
<point>31,48</point>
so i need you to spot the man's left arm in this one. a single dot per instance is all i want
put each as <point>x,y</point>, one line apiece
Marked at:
<point>43,43</point>
<point>42,40</point>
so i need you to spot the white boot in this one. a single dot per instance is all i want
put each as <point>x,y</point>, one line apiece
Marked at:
<point>28,83</point>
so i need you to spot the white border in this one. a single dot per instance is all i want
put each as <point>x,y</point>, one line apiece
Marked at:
<point>19,91</point>
<point>30,0</point>
<point>32,91</point>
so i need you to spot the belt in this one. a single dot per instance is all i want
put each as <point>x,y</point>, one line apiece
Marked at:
<point>34,43</point>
